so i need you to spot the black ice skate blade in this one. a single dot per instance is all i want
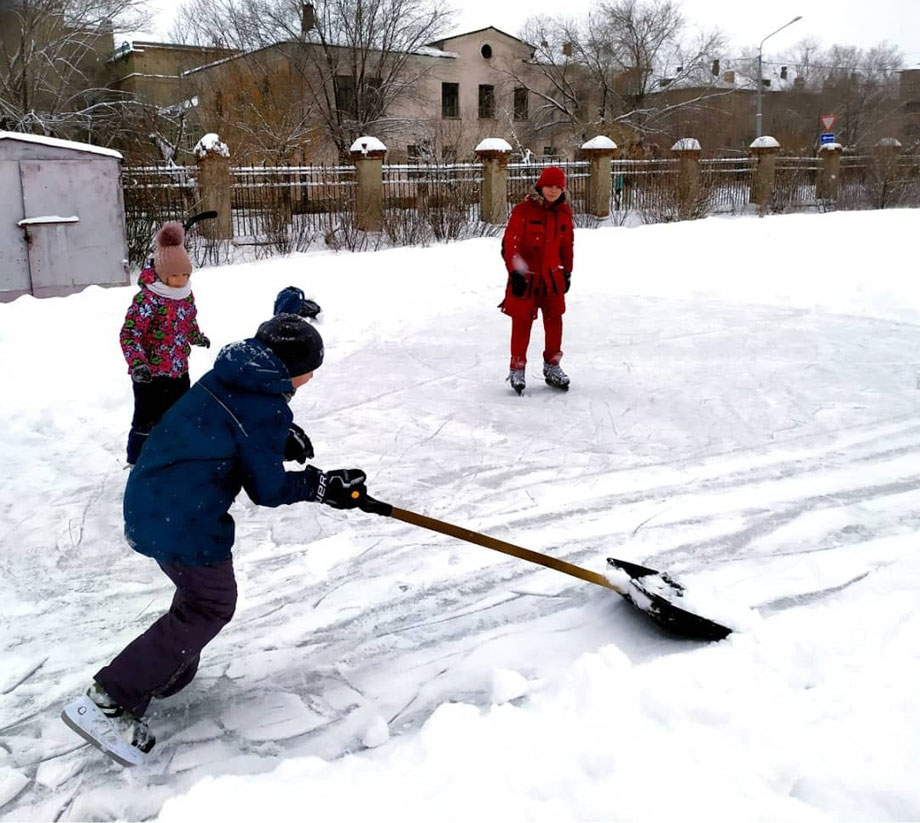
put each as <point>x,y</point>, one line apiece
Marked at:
<point>557,387</point>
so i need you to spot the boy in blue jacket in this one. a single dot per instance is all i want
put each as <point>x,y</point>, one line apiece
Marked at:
<point>232,430</point>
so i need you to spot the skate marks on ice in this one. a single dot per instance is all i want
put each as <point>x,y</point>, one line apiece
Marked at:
<point>381,620</point>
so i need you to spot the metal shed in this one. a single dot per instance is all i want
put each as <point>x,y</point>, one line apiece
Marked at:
<point>62,217</point>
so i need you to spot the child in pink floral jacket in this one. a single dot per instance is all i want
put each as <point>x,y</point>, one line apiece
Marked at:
<point>159,330</point>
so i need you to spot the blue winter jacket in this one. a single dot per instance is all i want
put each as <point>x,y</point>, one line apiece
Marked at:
<point>225,434</point>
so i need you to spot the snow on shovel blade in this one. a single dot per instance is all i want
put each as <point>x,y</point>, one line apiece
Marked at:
<point>659,596</point>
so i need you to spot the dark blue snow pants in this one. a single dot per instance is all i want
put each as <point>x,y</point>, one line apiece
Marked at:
<point>164,659</point>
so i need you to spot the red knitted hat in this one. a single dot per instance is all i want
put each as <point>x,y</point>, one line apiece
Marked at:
<point>170,256</point>
<point>551,176</point>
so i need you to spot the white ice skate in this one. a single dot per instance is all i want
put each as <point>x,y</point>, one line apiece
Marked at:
<point>123,737</point>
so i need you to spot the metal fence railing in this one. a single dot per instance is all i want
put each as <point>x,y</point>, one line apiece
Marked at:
<point>283,208</point>
<point>878,182</point>
<point>728,183</point>
<point>646,186</point>
<point>153,195</point>
<point>522,177</point>
<point>795,185</point>
<point>266,200</point>
<point>430,200</point>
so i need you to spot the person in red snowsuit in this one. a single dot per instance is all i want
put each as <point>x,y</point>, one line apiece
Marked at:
<point>537,248</point>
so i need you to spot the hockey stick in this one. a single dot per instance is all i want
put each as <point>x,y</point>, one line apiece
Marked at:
<point>197,218</point>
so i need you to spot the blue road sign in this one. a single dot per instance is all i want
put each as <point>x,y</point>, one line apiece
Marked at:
<point>827,137</point>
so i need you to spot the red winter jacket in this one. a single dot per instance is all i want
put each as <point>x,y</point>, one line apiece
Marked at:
<point>538,243</point>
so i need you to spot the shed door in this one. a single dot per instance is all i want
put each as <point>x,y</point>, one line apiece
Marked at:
<point>14,257</point>
<point>66,256</point>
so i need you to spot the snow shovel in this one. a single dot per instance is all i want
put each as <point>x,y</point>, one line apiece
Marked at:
<point>649,591</point>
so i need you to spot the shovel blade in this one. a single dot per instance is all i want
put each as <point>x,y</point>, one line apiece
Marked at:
<point>660,600</point>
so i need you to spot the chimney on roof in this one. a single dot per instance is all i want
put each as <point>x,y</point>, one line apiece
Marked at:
<point>307,18</point>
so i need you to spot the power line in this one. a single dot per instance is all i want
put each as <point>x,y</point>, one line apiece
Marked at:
<point>794,64</point>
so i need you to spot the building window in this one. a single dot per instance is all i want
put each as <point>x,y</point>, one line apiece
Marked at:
<point>549,151</point>
<point>487,102</point>
<point>450,100</point>
<point>521,103</point>
<point>346,100</point>
<point>449,154</point>
<point>219,103</point>
<point>373,90</point>
<point>486,51</point>
<point>412,153</point>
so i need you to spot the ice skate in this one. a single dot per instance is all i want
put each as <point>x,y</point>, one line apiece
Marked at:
<point>516,379</point>
<point>555,376</point>
<point>99,720</point>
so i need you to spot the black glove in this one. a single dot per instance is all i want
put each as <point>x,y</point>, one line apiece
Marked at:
<point>204,341</point>
<point>518,283</point>
<point>568,281</point>
<point>298,446</point>
<point>342,488</point>
<point>309,308</point>
<point>141,373</point>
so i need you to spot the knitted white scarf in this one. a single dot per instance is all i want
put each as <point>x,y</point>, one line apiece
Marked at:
<point>170,292</point>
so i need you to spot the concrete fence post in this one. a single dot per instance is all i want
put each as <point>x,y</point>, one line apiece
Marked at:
<point>367,153</point>
<point>828,183</point>
<point>765,150</point>
<point>214,186</point>
<point>887,153</point>
<point>688,152</point>
<point>494,153</point>
<point>599,150</point>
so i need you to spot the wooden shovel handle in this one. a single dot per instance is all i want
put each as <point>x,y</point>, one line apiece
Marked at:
<point>385,509</point>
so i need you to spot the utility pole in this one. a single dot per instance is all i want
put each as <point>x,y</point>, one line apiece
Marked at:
<point>758,120</point>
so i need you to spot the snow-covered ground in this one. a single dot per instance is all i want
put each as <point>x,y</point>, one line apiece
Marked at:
<point>745,413</point>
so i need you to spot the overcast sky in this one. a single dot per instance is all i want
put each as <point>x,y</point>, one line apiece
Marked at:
<point>847,22</point>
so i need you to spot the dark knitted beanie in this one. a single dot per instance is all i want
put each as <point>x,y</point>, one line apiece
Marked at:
<point>296,342</point>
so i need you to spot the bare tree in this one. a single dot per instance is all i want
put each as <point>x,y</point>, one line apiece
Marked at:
<point>599,74</point>
<point>52,63</point>
<point>558,80</point>
<point>642,35</point>
<point>861,87</point>
<point>353,58</point>
<point>232,24</point>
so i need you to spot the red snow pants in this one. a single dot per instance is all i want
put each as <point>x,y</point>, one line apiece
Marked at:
<point>523,311</point>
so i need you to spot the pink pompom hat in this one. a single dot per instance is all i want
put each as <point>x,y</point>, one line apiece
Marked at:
<point>170,256</point>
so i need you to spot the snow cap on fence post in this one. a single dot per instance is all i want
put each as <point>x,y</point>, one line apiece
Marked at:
<point>599,150</point>
<point>214,186</point>
<point>688,151</point>
<point>493,153</point>
<point>367,154</point>
<point>765,149</point>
